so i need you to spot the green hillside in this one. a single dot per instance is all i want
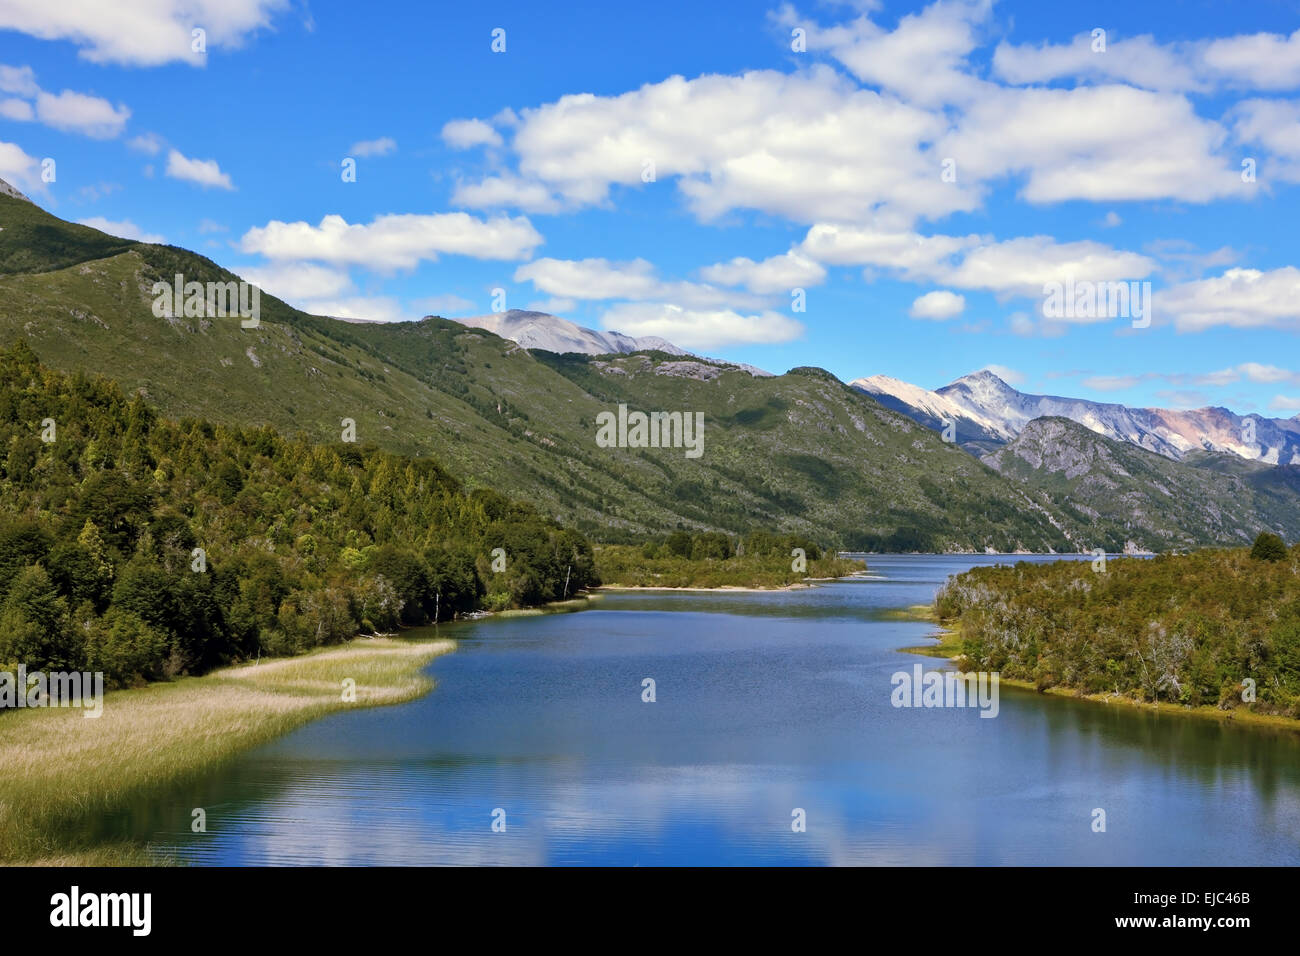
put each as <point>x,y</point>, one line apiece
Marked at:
<point>794,453</point>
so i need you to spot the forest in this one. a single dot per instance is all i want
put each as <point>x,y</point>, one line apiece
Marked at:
<point>1218,627</point>
<point>148,548</point>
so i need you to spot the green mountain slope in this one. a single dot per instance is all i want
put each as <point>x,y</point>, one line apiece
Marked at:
<point>799,453</point>
<point>1114,492</point>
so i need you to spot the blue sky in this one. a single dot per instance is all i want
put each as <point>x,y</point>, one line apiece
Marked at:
<point>774,169</point>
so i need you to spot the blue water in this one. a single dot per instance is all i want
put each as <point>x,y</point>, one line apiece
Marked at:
<point>766,703</point>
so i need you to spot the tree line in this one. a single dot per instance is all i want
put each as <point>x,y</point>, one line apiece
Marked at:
<point>146,548</point>
<point>1218,627</point>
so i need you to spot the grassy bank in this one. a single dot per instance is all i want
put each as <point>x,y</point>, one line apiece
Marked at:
<point>626,566</point>
<point>61,768</point>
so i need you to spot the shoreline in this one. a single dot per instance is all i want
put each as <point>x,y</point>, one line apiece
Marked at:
<point>64,769</point>
<point>949,640</point>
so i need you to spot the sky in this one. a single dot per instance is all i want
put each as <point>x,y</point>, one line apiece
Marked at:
<point>871,188</point>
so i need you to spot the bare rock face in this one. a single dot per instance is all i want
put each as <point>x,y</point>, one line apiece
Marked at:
<point>8,190</point>
<point>987,411</point>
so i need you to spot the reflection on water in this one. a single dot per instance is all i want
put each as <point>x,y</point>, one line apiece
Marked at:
<point>766,702</point>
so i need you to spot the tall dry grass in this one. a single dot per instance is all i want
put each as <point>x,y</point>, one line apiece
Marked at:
<point>59,769</point>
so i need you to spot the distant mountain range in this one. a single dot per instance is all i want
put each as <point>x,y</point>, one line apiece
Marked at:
<point>987,412</point>
<point>860,467</point>
<point>541,330</point>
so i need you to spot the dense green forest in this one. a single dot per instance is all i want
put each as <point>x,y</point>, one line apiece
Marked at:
<point>1189,628</point>
<point>145,548</point>
<point>714,559</point>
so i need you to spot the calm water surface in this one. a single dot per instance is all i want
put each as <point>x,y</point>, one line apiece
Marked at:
<point>766,702</point>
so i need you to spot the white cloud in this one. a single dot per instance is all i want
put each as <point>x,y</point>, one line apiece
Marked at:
<point>1264,61</point>
<point>1268,374</point>
<point>923,59</point>
<point>1285,403</point>
<point>554,306</point>
<point>700,329</point>
<point>78,113</point>
<point>1274,125</point>
<point>591,278</point>
<point>374,147</point>
<point>394,241</point>
<point>1022,266</point>
<point>296,281</point>
<point>1111,383</point>
<point>1240,298</point>
<point>805,146</point>
<point>123,228</point>
<point>205,172</point>
<point>498,192</point>
<point>1017,266</point>
<point>584,279</point>
<point>139,32</point>
<point>1140,61</point>
<point>939,305</point>
<point>19,110</point>
<point>150,143</point>
<point>374,308</point>
<point>20,80</point>
<point>1008,375</point>
<point>774,274</point>
<point>468,133</point>
<point>448,304</point>
<point>1070,144</point>
<point>68,111</point>
<point>18,168</point>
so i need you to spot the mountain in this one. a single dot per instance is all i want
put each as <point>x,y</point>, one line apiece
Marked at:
<point>794,453</point>
<point>541,330</point>
<point>8,190</point>
<point>987,409</point>
<point>973,430</point>
<point>1120,495</point>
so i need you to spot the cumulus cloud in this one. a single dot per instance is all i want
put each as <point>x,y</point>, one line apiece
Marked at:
<point>1019,266</point>
<point>922,59</point>
<point>18,168</point>
<point>140,32</point>
<point>590,279</point>
<point>374,147</point>
<point>468,133</point>
<point>394,241</point>
<point>372,308</point>
<point>1240,298</point>
<point>774,274</point>
<point>805,146</point>
<point>700,329</point>
<point>940,305</point>
<point>69,111</point>
<point>205,172</point>
<point>498,192</point>
<point>122,228</point>
<point>298,281</point>
<point>79,113</point>
<point>1263,61</point>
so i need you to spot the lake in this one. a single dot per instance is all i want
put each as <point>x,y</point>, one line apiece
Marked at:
<point>765,704</point>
